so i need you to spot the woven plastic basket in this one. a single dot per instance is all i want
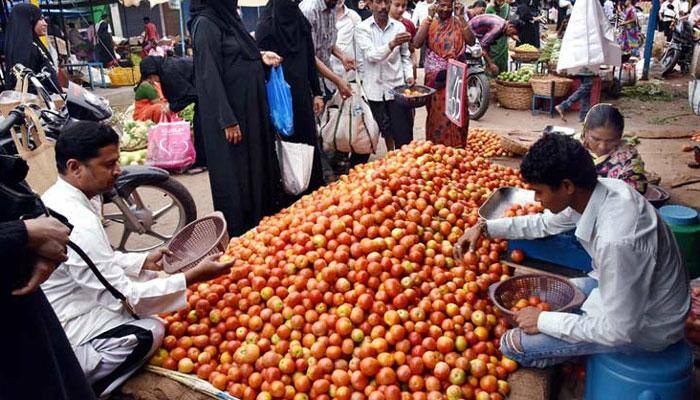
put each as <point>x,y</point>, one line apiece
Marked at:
<point>199,239</point>
<point>514,96</point>
<point>513,146</point>
<point>412,101</point>
<point>525,56</point>
<point>120,76</point>
<point>542,85</point>
<point>561,294</point>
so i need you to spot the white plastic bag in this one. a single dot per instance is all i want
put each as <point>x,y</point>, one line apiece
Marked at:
<point>589,40</point>
<point>694,95</point>
<point>348,125</point>
<point>296,161</point>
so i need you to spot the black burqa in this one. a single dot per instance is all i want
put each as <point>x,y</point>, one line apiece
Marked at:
<point>177,82</point>
<point>230,82</point>
<point>282,28</point>
<point>104,49</point>
<point>529,33</point>
<point>22,46</point>
<point>40,363</point>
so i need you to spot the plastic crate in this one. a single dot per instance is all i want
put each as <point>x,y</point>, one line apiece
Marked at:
<point>120,76</point>
<point>563,249</point>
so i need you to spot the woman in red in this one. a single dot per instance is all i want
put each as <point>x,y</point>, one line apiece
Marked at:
<point>446,36</point>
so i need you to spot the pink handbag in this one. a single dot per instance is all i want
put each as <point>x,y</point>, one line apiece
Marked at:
<point>170,144</point>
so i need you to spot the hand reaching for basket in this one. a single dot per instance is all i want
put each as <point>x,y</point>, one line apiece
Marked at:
<point>207,269</point>
<point>527,319</point>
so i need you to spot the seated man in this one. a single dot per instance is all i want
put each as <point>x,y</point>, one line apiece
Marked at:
<point>642,293</point>
<point>109,343</point>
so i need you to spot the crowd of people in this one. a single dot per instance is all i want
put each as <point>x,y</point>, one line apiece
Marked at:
<point>326,48</point>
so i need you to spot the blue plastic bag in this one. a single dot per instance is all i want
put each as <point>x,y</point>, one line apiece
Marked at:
<point>279,98</point>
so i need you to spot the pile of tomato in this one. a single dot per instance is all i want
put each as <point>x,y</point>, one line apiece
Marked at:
<point>486,143</point>
<point>353,292</point>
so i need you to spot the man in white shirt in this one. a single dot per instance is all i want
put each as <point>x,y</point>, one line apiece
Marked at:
<point>668,13</point>
<point>421,11</point>
<point>642,293</point>
<point>346,20</point>
<point>386,58</point>
<point>109,342</point>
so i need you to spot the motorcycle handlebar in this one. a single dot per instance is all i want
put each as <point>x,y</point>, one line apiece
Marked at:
<point>10,121</point>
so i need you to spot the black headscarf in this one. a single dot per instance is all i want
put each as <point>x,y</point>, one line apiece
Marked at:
<point>224,13</point>
<point>176,79</point>
<point>20,37</point>
<point>284,22</point>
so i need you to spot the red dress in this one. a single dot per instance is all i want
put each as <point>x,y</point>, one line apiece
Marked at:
<point>445,41</point>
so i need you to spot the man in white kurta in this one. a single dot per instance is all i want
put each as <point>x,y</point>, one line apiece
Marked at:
<point>638,293</point>
<point>109,343</point>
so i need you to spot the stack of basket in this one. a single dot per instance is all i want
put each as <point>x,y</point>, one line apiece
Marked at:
<point>550,85</point>
<point>514,95</point>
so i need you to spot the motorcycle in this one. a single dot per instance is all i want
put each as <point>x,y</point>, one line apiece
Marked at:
<point>145,201</point>
<point>478,91</point>
<point>680,49</point>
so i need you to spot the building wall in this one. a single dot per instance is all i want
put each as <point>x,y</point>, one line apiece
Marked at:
<point>132,18</point>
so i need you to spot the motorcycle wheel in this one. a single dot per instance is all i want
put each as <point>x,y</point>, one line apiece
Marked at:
<point>668,61</point>
<point>163,208</point>
<point>479,95</point>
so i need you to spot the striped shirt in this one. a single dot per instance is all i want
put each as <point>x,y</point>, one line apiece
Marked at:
<point>323,29</point>
<point>487,28</point>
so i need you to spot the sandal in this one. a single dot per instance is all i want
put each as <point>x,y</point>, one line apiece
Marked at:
<point>195,170</point>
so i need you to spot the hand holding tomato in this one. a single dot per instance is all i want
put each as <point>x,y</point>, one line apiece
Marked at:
<point>207,269</point>
<point>468,240</point>
<point>527,319</point>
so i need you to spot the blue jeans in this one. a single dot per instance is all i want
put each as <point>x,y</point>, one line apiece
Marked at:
<point>541,350</point>
<point>582,93</point>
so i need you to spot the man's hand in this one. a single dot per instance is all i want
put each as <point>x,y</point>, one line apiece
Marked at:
<point>527,319</point>
<point>318,105</point>
<point>270,58</point>
<point>344,89</point>
<point>154,259</point>
<point>399,39</point>
<point>207,269</point>
<point>432,10</point>
<point>492,68</point>
<point>41,270</point>
<point>459,9</point>
<point>348,63</point>
<point>468,241</point>
<point>47,238</point>
<point>233,134</point>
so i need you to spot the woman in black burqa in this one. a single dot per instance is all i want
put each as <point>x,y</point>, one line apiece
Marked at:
<point>282,28</point>
<point>104,49</point>
<point>24,46</point>
<point>238,136</point>
<point>39,361</point>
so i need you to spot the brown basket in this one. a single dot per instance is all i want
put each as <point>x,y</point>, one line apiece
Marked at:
<point>561,294</point>
<point>514,96</point>
<point>513,146</point>
<point>542,85</point>
<point>526,56</point>
<point>201,238</point>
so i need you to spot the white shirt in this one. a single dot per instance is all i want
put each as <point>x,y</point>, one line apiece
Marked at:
<point>643,294</point>
<point>609,9</point>
<point>84,307</point>
<point>666,14</point>
<point>694,16</point>
<point>420,12</point>
<point>383,68</point>
<point>346,32</point>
